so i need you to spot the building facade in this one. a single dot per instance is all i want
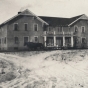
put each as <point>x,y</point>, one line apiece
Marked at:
<point>50,31</point>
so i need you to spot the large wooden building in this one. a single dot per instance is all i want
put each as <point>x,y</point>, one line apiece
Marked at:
<point>50,31</point>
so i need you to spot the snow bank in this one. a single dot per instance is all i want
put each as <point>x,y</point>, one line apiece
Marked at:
<point>54,69</point>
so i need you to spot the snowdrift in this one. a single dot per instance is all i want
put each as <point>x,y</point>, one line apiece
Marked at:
<point>51,69</point>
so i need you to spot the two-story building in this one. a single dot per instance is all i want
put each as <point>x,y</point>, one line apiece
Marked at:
<point>51,31</point>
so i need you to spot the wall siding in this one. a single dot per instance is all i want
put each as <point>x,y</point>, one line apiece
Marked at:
<point>21,33</point>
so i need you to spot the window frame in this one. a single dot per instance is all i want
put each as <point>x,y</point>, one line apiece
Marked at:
<point>36,37</point>
<point>14,26</point>
<point>82,30</point>
<point>0,41</point>
<point>34,26</point>
<point>23,39</point>
<point>75,29</point>
<point>82,38</point>
<point>16,41</point>
<point>5,40</point>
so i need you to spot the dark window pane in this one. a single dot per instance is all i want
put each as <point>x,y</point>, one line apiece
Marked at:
<point>0,41</point>
<point>36,39</point>
<point>5,40</point>
<point>26,27</point>
<point>35,27</point>
<point>76,29</point>
<point>16,40</point>
<point>83,29</point>
<point>83,40</point>
<point>25,39</point>
<point>15,27</point>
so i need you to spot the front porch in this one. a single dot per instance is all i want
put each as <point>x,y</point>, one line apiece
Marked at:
<point>55,41</point>
<point>58,39</point>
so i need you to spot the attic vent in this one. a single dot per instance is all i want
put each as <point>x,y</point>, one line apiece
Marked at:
<point>19,12</point>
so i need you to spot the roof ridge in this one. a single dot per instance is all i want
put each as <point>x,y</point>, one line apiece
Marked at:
<point>54,17</point>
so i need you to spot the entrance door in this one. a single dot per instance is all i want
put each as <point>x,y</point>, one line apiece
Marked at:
<point>68,41</point>
<point>59,41</point>
<point>50,41</point>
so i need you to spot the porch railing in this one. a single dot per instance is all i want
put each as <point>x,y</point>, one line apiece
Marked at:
<point>56,33</point>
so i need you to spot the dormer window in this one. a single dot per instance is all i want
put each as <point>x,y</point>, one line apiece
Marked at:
<point>15,26</point>
<point>75,29</point>
<point>83,29</point>
<point>35,27</point>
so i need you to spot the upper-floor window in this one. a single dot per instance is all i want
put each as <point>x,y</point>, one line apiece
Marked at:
<point>16,40</point>
<point>5,40</point>
<point>35,27</point>
<point>75,29</point>
<point>25,26</point>
<point>15,26</point>
<point>83,29</point>
<point>60,29</point>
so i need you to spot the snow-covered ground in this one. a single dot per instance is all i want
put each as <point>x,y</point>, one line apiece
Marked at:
<point>50,69</point>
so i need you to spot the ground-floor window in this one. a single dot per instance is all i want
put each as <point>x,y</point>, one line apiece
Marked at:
<point>83,40</point>
<point>36,38</point>
<point>26,39</point>
<point>16,40</point>
<point>15,48</point>
<point>5,40</point>
<point>0,41</point>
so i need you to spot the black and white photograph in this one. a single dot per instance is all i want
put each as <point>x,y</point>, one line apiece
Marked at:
<point>43,43</point>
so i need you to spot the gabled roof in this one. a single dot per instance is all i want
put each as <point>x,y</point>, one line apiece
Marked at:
<point>56,21</point>
<point>52,21</point>
<point>25,12</point>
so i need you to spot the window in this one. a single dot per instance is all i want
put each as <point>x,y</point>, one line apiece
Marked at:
<point>60,29</point>
<point>36,39</point>
<point>76,28</point>
<point>16,40</point>
<point>25,26</point>
<point>15,26</point>
<point>15,48</point>
<point>35,27</point>
<point>25,39</point>
<point>83,29</point>
<point>5,40</point>
<point>69,29</point>
<point>0,41</point>
<point>49,29</point>
<point>83,40</point>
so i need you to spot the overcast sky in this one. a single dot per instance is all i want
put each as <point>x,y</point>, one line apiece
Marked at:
<point>56,8</point>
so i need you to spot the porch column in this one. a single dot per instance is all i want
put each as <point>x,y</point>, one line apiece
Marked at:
<point>71,41</point>
<point>45,41</point>
<point>63,40</point>
<point>54,40</point>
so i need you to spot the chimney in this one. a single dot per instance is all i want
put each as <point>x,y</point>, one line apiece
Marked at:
<point>19,12</point>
